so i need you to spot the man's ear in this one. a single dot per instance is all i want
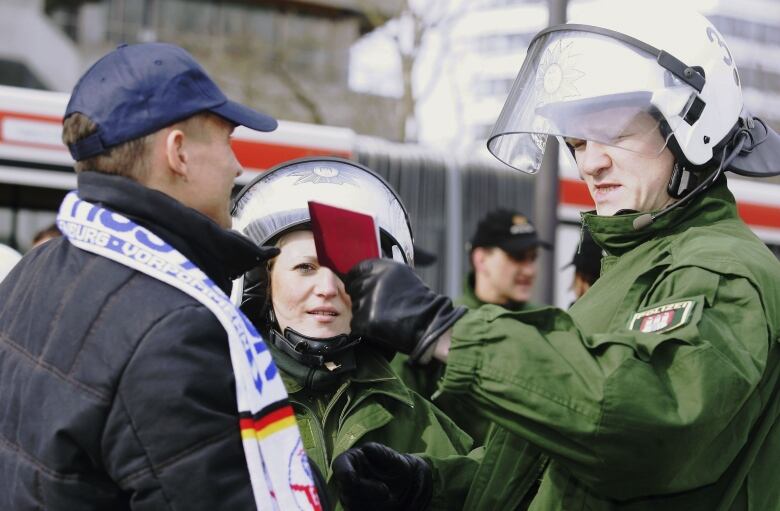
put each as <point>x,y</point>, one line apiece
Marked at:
<point>176,153</point>
<point>478,258</point>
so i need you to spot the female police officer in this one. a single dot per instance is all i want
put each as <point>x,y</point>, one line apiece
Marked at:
<point>659,389</point>
<point>342,389</point>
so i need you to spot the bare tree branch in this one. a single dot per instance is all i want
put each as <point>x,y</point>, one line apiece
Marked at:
<point>300,93</point>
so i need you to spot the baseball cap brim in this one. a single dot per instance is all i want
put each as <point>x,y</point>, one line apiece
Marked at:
<point>245,116</point>
<point>422,257</point>
<point>519,245</point>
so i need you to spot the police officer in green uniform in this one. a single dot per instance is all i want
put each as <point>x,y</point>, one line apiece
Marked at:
<point>659,389</point>
<point>341,387</point>
<point>503,253</point>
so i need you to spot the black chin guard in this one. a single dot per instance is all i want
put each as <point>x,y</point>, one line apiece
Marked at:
<point>317,352</point>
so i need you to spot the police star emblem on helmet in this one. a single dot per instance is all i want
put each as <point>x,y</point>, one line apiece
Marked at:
<point>323,174</point>
<point>557,73</point>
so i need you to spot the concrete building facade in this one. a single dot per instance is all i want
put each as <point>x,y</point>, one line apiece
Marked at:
<point>289,58</point>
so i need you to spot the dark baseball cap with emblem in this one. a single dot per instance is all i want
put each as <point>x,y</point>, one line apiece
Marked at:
<point>508,230</point>
<point>138,89</point>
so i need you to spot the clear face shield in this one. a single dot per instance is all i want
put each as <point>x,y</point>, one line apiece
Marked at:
<point>585,86</point>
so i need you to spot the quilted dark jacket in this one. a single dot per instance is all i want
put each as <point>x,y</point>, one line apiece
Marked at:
<point>116,390</point>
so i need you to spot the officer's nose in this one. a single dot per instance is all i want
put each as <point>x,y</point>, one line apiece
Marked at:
<point>592,158</point>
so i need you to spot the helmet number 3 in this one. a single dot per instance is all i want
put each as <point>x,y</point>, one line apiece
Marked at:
<point>713,36</point>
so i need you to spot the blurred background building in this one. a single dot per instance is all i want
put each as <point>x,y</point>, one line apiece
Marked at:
<point>287,57</point>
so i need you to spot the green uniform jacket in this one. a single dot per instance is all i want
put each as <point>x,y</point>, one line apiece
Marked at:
<point>424,379</point>
<point>641,409</point>
<point>502,476</point>
<point>371,404</point>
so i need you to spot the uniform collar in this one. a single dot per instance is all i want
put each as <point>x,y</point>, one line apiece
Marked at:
<point>472,301</point>
<point>372,375</point>
<point>469,298</point>
<point>616,234</point>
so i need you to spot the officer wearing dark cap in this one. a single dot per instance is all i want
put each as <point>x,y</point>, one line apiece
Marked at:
<point>503,254</point>
<point>117,386</point>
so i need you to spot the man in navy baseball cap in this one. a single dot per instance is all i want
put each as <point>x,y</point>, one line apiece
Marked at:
<point>130,397</point>
<point>138,89</point>
<point>149,112</point>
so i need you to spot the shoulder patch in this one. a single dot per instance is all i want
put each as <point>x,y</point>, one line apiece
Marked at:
<point>662,318</point>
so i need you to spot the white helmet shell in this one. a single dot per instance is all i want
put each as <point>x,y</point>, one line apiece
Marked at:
<point>277,200</point>
<point>694,40</point>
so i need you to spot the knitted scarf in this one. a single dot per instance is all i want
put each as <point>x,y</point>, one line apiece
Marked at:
<point>278,467</point>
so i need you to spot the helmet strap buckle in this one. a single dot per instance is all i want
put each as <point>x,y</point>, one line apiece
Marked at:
<point>681,181</point>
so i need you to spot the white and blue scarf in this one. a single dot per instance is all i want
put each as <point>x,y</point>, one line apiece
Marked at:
<point>278,467</point>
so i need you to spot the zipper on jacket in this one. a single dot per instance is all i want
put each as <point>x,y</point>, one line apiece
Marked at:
<point>320,432</point>
<point>339,392</point>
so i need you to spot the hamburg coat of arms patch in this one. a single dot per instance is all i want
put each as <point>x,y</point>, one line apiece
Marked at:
<point>662,318</point>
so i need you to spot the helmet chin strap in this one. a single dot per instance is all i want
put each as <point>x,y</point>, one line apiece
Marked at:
<point>642,221</point>
<point>331,353</point>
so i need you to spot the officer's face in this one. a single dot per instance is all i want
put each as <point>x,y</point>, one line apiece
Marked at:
<point>307,297</point>
<point>502,278</point>
<point>623,177</point>
<point>214,167</point>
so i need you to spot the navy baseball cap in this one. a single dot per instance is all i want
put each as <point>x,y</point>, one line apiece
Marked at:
<point>508,230</point>
<point>138,89</point>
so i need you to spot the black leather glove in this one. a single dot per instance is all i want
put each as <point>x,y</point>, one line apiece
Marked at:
<point>377,478</point>
<point>392,307</point>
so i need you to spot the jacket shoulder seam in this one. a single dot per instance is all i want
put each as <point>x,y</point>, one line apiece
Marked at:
<point>131,277</point>
<point>101,397</point>
<point>29,458</point>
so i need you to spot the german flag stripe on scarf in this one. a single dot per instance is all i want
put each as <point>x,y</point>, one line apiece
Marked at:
<point>271,419</point>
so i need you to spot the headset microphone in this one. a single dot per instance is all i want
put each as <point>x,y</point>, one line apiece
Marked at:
<point>643,221</point>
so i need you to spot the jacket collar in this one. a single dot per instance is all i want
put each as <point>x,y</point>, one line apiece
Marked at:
<point>472,301</point>
<point>372,375</point>
<point>375,376</point>
<point>221,254</point>
<point>469,298</point>
<point>616,234</point>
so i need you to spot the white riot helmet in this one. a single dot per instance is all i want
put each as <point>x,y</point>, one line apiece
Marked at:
<point>277,201</point>
<point>643,71</point>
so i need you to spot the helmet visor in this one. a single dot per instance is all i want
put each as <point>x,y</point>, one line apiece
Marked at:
<point>585,86</point>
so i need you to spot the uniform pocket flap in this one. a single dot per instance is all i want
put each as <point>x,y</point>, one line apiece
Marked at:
<point>649,327</point>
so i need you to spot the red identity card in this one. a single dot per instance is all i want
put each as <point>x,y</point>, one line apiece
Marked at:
<point>343,237</point>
